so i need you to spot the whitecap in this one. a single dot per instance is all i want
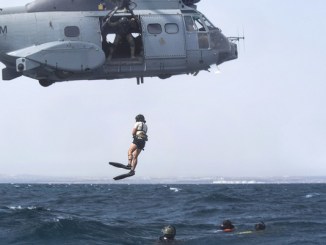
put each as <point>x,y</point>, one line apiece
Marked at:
<point>15,207</point>
<point>38,208</point>
<point>237,182</point>
<point>310,195</point>
<point>175,189</point>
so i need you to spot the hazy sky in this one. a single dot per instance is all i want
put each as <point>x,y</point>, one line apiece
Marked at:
<point>263,115</point>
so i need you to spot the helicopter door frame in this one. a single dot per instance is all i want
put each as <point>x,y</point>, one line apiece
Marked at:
<point>163,36</point>
<point>191,33</point>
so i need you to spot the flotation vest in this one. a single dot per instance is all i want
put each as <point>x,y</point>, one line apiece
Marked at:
<point>141,134</point>
<point>228,230</point>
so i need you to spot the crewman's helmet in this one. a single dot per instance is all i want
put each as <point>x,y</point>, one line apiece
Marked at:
<point>227,225</point>
<point>169,231</point>
<point>140,118</point>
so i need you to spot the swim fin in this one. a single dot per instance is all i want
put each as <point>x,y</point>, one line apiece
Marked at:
<point>122,176</point>
<point>120,165</point>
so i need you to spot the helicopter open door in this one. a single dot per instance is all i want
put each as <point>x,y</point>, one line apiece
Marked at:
<point>121,37</point>
<point>163,36</point>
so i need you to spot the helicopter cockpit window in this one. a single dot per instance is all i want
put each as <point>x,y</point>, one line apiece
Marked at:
<point>209,25</point>
<point>72,31</point>
<point>199,24</point>
<point>190,25</point>
<point>154,29</point>
<point>171,28</point>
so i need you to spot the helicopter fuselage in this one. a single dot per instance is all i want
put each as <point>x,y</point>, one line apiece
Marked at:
<point>168,38</point>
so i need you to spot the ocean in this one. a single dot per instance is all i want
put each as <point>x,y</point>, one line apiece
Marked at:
<point>135,214</point>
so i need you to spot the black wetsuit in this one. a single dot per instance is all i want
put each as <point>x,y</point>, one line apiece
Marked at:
<point>164,239</point>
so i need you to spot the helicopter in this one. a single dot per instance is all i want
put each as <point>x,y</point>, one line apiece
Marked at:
<point>67,40</point>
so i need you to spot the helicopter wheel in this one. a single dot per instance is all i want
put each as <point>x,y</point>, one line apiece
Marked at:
<point>45,83</point>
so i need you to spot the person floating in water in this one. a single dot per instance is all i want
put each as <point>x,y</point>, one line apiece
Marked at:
<point>169,233</point>
<point>260,226</point>
<point>227,226</point>
<point>139,133</point>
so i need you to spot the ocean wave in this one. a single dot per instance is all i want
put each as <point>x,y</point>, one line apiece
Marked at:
<point>70,230</point>
<point>311,195</point>
<point>175,189</point>
<point>136,214</point>
<point>218,198</point>
<point>28,208</point>
<point>237,182</point>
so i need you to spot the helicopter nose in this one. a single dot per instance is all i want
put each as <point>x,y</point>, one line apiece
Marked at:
<point>226,54</point>
<point>226,49</point>
<point>234,51</point>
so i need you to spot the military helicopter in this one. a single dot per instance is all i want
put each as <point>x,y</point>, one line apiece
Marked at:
<point>65,40</point>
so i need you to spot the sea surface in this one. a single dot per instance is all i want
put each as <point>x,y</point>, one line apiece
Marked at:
<point>135,214</point>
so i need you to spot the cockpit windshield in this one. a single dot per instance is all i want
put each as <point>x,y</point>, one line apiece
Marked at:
<point>199,23</point>
<point>209,24</point>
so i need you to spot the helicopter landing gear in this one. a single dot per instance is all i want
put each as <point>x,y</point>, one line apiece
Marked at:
<point>140,80</point>
<point>45,83</point>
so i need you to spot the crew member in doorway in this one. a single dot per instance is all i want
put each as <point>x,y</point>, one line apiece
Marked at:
<point>124,29</point>
<point>139,133</point>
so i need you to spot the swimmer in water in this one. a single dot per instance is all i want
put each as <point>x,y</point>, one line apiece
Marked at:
<point>169,233</point>
<point>227,226</point>
<point>260,226</point>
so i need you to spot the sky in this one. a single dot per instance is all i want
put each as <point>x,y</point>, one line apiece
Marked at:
<point>263,115</point>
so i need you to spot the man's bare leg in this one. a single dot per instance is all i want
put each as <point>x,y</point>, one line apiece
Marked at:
<point>131,150</point>
<point>135,159</point>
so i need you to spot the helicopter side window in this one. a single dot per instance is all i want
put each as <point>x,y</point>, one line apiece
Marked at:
<point>171,28</point>
<point>72,31</point>
<point>154,29</point>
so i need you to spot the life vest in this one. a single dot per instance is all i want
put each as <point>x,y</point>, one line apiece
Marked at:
<point>228,230</point>
<point>141,134</point>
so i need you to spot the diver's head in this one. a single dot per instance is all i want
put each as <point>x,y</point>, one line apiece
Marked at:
<point>140,118</point>
<point>260,226</point>
<point>169,232</point>
<point>227,225</point>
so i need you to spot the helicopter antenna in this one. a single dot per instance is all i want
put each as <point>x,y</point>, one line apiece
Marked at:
<point>238,39</point>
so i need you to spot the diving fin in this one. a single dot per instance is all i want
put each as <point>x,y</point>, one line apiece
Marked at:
<point>120,165</point>
<point>122,176</point>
